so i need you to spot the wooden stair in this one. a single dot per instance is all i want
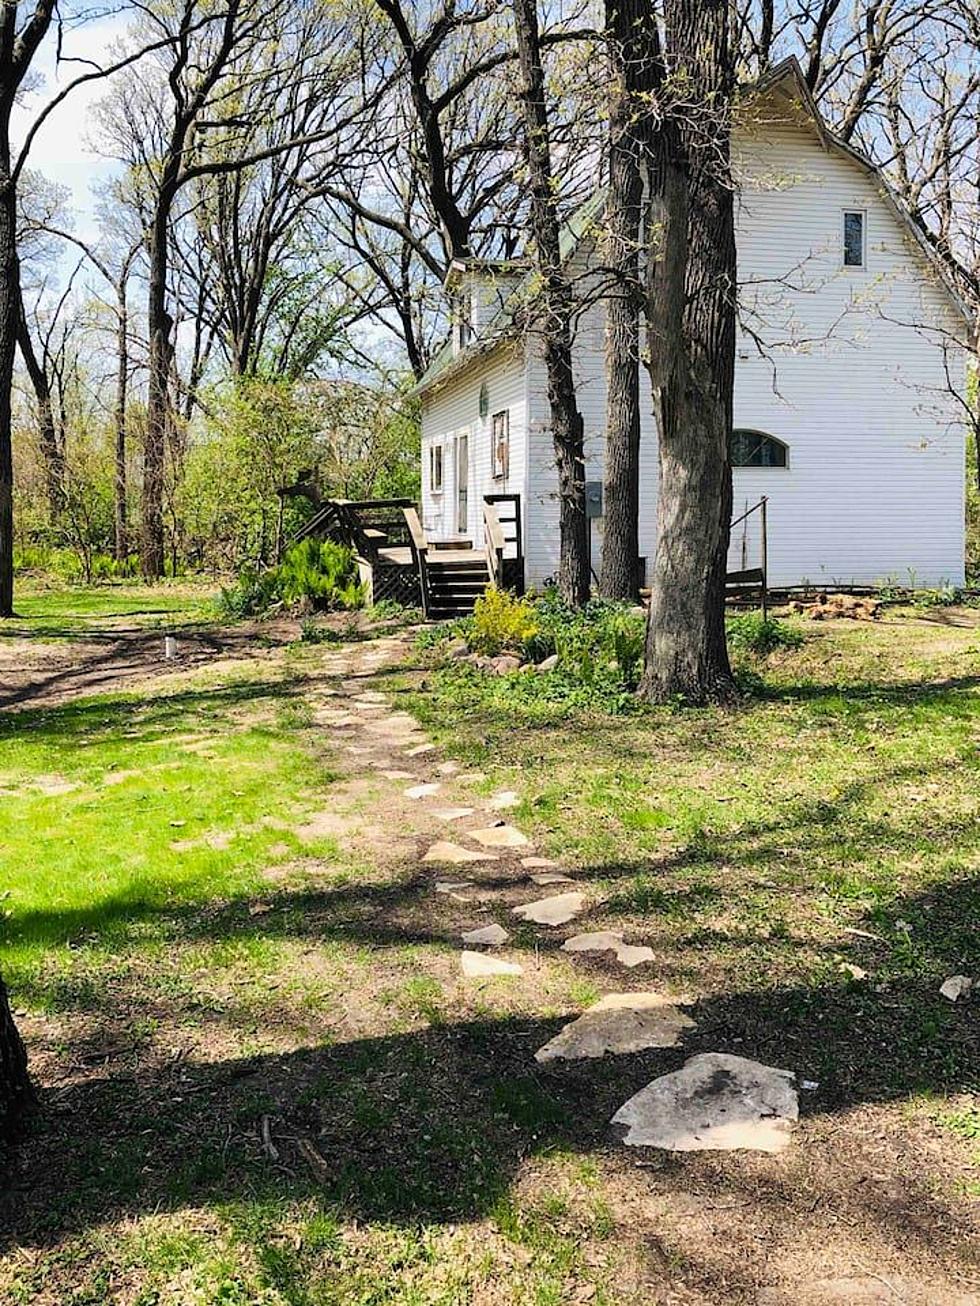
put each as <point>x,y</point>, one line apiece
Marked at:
<point>453,586</point>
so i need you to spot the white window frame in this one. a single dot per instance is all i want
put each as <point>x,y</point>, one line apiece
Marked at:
<point>437,455</point>
<point>501,469</point>
<point>863,215</point>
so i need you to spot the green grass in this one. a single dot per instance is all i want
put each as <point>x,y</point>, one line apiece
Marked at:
<point>71,612</point>
<point>187,968</point>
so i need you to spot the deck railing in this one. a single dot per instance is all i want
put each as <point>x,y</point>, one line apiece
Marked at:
<point>505,510</point>
<point>420,553</point>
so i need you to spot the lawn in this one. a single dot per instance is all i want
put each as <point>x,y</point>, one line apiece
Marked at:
<point>263,1079</point>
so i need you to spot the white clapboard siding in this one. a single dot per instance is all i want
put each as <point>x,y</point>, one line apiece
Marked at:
<point>454,409</point>
<point>852,377</point>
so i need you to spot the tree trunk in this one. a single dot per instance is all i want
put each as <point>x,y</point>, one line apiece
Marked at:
<point>691,318</point>
<point>15,1087</point>
<point>52,454</point>
<point>121,532</point>
<point>9,319</point>
<point>159,325</point>
<point>566,421</point>
<point>628,30</point>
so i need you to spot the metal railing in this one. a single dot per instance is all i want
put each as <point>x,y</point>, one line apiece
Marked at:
<point>748,578</point>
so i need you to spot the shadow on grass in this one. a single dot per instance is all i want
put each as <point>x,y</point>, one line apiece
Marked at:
<point>432,1125</point>
<point>122,655</point>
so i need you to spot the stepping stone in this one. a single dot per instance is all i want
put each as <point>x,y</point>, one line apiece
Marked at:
<point>500,836</point>
<point>400,723</point>
<point>371,696</point>
<point>359,706</point>
<point>422,791</point>
<point>331,718</point>
<point>633,954</point>
<point>533,863</point>
<point>477,964</point>
<point>714,1103</point>
<point>552,911</point>
<point>490,935</point>
<point>419,749</point>
<point>398,775</point>
<point>450,886</point>
<point>628,954</point>
<point>503,801</point>
<point>454,855</point>
<point>619,1024</point>
<point>471,777</point>
<point>453,813</point>
<point>550,877</point>
<point>448,768</point>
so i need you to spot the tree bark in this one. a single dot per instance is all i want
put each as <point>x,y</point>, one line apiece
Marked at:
<point>9,320</point>
<point>556,297</point>
<point>121,522</point>
<point>52,454</point>
<point>16,1093</point>
<point>159,326</point>
<point>629,25</point>
<point>691,320</point>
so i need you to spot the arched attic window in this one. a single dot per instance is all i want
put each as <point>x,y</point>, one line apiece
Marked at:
<point>757,449</point>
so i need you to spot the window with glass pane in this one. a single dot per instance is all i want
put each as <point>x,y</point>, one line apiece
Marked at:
<point>854,240</point>
<point>435,467</point>
<point>756,449</point>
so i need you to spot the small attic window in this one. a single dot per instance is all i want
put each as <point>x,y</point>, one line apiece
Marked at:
<point>462,311</point>
<point>853,238</point>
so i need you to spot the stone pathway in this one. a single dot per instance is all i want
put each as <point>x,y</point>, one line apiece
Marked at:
<point>715,1101</point>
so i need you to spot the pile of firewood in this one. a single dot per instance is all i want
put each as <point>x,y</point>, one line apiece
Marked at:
<point>829,607</point>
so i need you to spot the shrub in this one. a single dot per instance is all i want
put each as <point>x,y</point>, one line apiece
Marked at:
<point>320,572</point>
<point>501,621</point>
<point>602,640</point>
<point>752,633</point>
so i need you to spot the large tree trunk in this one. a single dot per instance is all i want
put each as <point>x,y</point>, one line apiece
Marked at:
<point>9,319</point>
<point>628,31</point>
<point>159,325</point>
<point>52,454</point>
<point>15,1087</point>
<point>692,286</point>
<point>556,321</point>
<point>121,537</point>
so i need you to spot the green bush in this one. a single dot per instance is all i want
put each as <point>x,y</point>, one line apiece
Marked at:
<point>319,572</point>
<point>68,565</point>
<point>501,621</point>
<point>752,633</point>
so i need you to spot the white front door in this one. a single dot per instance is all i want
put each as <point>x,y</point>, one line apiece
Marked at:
<point>462,482</point>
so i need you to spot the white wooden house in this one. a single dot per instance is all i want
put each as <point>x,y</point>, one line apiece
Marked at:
<point>844,413</point>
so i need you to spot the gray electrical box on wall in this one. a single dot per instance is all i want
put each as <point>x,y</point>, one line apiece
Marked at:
<point>593,498</point>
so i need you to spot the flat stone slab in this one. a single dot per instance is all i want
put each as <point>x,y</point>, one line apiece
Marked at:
<point>620,1023</point>
<point>533,863</point>
<point>506,799</point>
<point>453,854</point>
<point>371,696</point>
<point>452,813</point>
<point>448,768</point>
<point>550,877</point>
<point>398,775</point>
<point>628,954</point>
<point>419,749</point>
<point>423,791</point>
<point>552,911</point>
<point>491,936</point>
<point>471,777</point>
<point>714,1103</point>
<point>500,836</point>
<point>451,886</point>
<point>477,964</point>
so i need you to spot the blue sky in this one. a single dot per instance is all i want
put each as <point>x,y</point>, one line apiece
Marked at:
<point>62,149</point>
